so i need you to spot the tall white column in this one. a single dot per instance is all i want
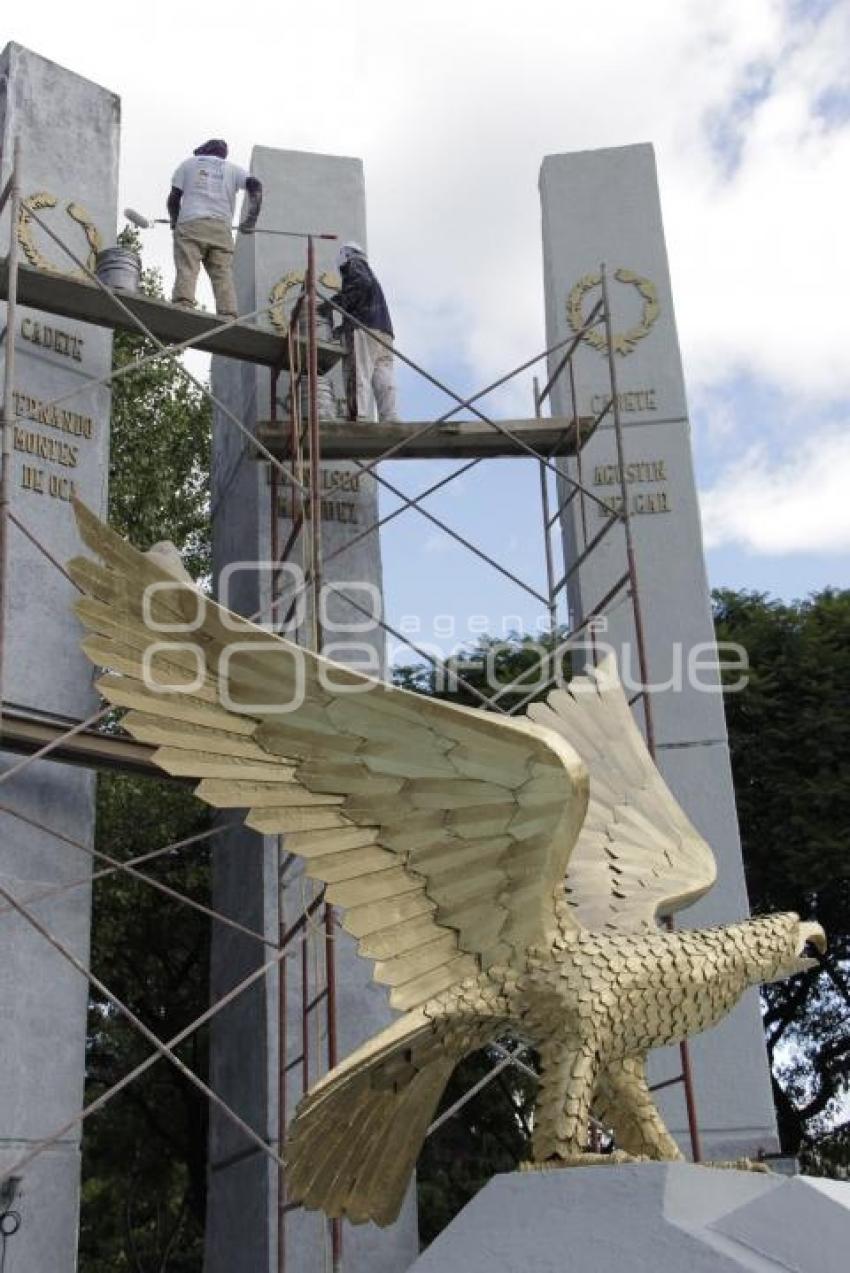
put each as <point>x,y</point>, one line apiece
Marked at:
<point>319,194</point>
<point>603,206</point>
<point>68,131</point>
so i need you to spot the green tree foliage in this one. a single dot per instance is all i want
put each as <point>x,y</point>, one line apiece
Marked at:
<point>489,1134</point>
<point>144,1154</point>
<point>511,671</point>
<point>789,734</point>
<point>160,449</point>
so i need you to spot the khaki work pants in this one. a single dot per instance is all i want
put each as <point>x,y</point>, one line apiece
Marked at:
<point>374,367</point>
<point>209,243</point>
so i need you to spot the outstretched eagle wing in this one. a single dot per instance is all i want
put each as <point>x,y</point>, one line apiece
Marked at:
<point>638,857</point>
<point>441,831</point>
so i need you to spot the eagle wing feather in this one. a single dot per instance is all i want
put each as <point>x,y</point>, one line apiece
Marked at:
<point>442,832</point>
<point>638,857</point>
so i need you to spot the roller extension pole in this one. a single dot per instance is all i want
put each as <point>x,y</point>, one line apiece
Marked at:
<point>314,448</point>
<point>147,223</point>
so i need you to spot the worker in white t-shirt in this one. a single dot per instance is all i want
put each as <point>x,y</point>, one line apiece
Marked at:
<point>200,208</point>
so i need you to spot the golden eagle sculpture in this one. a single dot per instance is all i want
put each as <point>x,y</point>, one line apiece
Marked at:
<point>505,875</point>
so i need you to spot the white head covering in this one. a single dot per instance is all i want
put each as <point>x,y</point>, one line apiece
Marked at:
<point>348,250</point>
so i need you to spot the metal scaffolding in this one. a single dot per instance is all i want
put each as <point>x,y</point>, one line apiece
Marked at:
<point>294,448</point>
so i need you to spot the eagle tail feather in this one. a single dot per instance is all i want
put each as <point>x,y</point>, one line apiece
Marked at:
<point>370,1115</point>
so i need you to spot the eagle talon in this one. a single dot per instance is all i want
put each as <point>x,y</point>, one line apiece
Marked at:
<point>586,1159</point>
<point>739,1164</point>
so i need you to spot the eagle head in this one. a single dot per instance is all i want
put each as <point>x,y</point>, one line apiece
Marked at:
<point>784,946</point>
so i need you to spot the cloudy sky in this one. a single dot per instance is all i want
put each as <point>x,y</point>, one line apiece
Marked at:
<point>452,107</point>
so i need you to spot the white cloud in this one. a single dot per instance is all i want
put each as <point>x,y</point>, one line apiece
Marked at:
<point>794,504</point>
<point>759,267</point>
<point>437,543</point>
<point>718,418</point>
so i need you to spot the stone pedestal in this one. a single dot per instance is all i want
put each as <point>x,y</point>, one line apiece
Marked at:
<point>318,193</point>
<point>648,1218</point>
<point>68,129</point>
<point>603,206</point>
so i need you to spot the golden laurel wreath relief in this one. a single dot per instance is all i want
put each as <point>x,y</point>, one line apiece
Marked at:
<point>506,876</point>
<point>624,342</point>
<point>43,199</point>
<point>279,293</point>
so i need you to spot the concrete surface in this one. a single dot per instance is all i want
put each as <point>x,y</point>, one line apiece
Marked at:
<point>647,1218</point>
<point>465,440</point>
<point>318,193</point>
<point>79,298</point>
<point>68,129</point>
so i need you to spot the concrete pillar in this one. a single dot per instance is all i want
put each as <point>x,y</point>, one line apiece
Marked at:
<point>603,206</point>
<point>317,193</point>
<point>68,129</point>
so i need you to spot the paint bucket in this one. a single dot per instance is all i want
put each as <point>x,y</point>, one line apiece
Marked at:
<point>119,267</point>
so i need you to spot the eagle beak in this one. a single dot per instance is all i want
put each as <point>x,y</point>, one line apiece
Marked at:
<point>810,938</point>
<point>810,935</point>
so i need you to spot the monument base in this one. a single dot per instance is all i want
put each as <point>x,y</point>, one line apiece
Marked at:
<point>647,1218</point>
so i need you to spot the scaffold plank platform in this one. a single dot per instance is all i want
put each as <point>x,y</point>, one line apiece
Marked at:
<point>456,440</point>
<point>69,297</point>
<point>25,734</point>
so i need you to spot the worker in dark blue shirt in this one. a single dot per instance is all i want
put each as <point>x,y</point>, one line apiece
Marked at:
<point>362,298</point>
